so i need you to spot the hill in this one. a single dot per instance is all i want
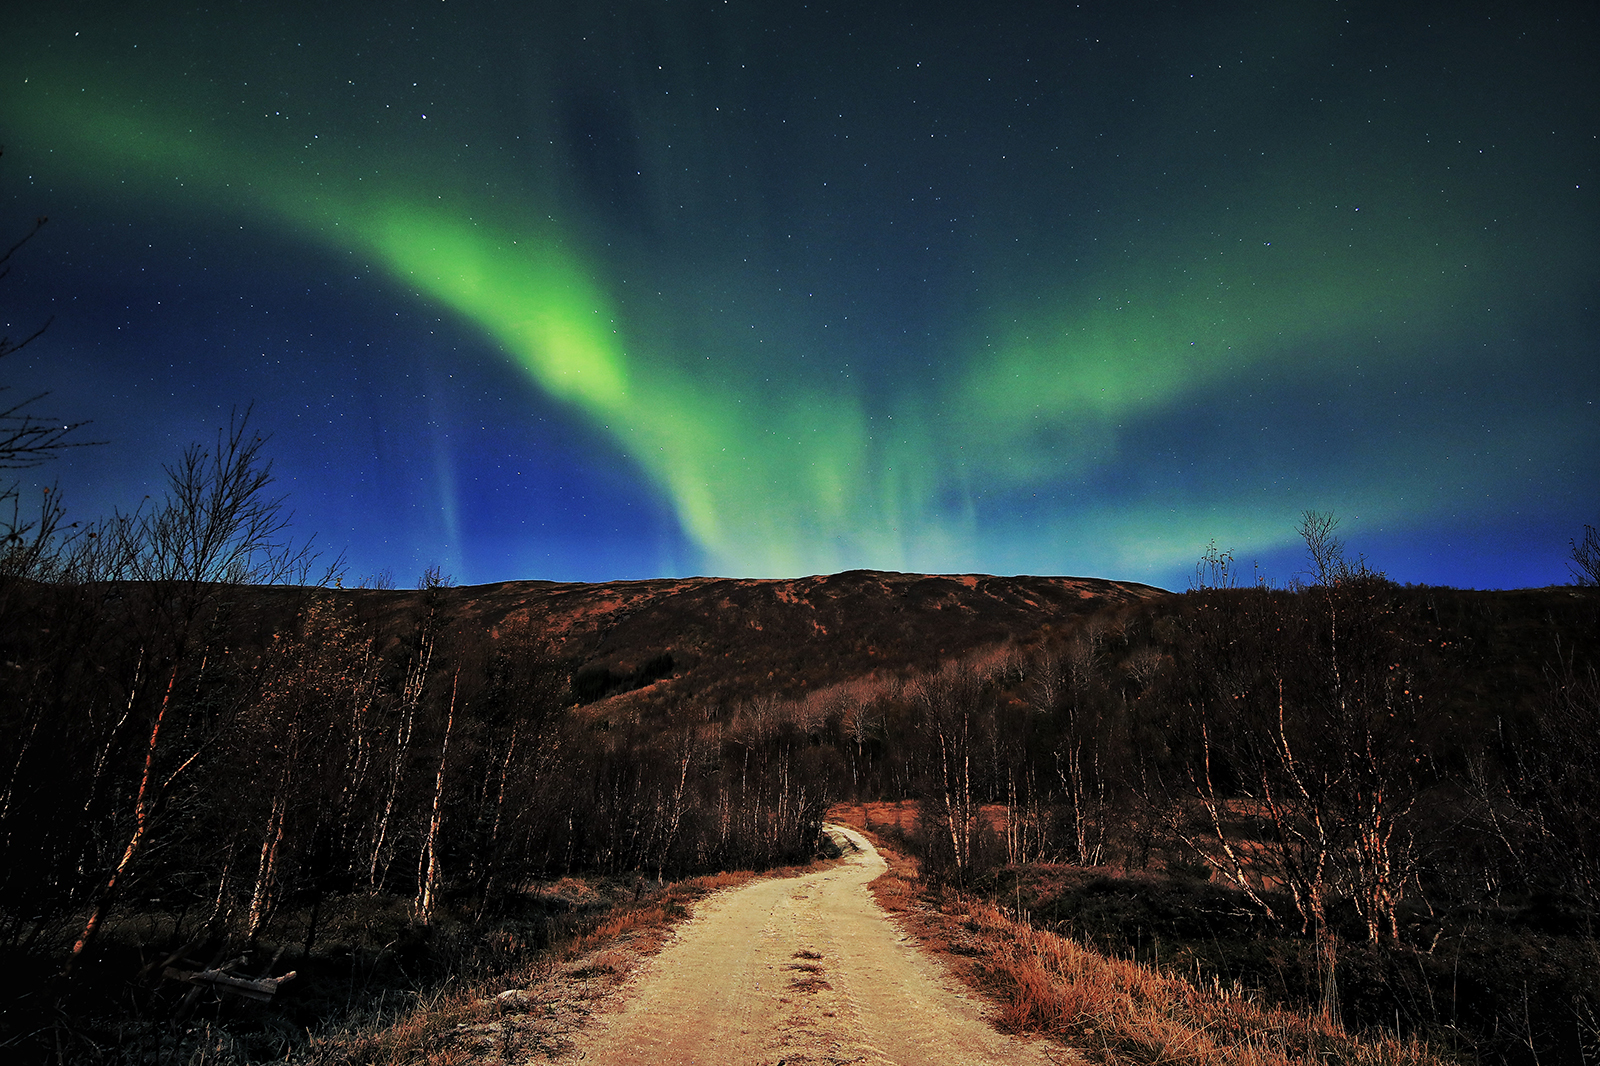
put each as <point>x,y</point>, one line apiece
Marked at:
<point>712,639</point>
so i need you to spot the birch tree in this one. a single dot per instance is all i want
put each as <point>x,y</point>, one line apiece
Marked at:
<point>217,526</point>
<point>948,703</point>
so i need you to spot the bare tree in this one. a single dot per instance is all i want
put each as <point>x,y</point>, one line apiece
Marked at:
<point>1065,689</point>
<point>1585,565</point>
<point>217,526</point>
<point>1329,565</point>
<point>429,866</point>
<point>1306,773</point>
<point>26,437</point>
<point>1553,775</point>
<point>414,683</point>
<point>948,702</point>
<point>29,547</point>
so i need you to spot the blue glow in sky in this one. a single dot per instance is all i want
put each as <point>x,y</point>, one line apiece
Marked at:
<point>757,289</point>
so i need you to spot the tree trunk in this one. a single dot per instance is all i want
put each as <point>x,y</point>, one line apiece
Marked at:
<point>427,890</point>
<point>266,869</point>
<point>144,806</point>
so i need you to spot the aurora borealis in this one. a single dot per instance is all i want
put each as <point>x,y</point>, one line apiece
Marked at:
<point>583,291</point>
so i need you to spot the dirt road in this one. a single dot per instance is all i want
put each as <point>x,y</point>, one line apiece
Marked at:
<point>793,971</point>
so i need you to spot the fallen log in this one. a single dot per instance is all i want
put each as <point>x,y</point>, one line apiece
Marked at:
<point>259,989</point>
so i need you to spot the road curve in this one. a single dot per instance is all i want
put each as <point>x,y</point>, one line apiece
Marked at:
<point>791,971</point>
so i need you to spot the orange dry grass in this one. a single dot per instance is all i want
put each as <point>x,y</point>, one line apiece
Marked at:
<point>423,1037</point>
<point>648,923</point>
<point>1114,1010</point>
<point>901,816</point>
<point>1119,1010</point>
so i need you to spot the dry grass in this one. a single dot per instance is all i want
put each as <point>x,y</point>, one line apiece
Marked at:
<point>533,1016</point>
<point>810,972</point>
<point>534,1012</point>
<point>899,816</point>
<point>1122,1011</point>
<point>1115,1010</point>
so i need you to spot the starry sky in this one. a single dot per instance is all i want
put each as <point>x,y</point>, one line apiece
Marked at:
<point>585,290</point>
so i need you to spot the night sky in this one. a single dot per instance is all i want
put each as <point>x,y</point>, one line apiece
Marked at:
<point>592,290</point>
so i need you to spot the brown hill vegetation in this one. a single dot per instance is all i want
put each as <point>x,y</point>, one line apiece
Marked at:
<point>711,639</point>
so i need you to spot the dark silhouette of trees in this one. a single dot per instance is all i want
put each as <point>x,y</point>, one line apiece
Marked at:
<point>1585,565</point>
<point>1546,812</point>
<point>217,527</point>
<point>27,438</point>
<point>28,545</point>
<point>1070,688</point>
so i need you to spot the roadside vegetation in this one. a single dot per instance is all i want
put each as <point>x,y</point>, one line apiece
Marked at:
<point>220,777</point>
<point>532,1006</point>
<point>1112,1008</point>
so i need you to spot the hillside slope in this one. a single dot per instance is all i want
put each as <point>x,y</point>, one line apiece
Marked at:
<point>733,638</point>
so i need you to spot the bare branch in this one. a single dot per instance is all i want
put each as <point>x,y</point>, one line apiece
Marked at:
<point>1585,565</point>
<point>219,523</point>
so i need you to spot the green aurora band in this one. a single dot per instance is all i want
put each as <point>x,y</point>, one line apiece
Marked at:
<point>1293,262</point>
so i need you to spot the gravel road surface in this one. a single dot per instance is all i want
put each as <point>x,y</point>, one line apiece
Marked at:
<point>792,971</point>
